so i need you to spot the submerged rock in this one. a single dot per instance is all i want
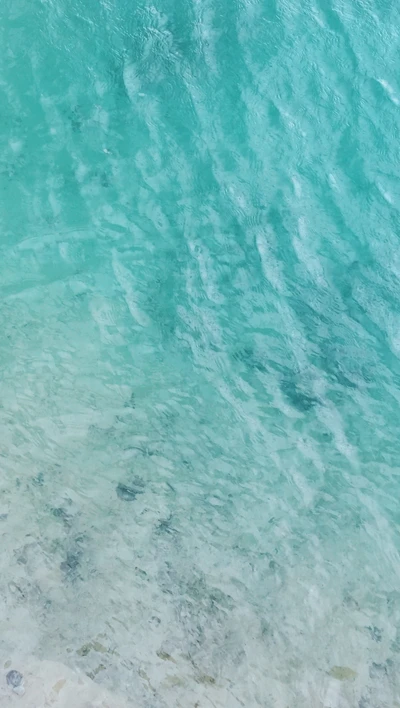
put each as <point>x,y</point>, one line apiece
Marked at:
<point>14,678</point>
<point>127,492</point>
<point>164,526</point>
<point>39,480</point>
<point>378,670</point>
<point>61,514</point>
<point>71,564</point>
<point>375,633</point>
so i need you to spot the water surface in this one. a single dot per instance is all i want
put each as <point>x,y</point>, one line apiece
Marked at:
<point>199,348</point>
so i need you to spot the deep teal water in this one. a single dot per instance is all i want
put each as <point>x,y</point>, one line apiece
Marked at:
<point>199,347</point>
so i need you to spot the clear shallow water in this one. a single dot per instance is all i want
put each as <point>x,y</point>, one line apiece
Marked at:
<point>199,349</point>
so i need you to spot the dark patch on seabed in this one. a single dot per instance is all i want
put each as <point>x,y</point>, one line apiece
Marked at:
<point>129,492</point>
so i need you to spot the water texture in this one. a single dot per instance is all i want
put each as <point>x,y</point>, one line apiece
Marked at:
<point>199,348</point>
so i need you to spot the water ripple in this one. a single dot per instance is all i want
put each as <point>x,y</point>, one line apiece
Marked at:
<point>200,352</point>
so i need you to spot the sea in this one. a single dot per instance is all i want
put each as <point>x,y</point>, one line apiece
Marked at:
<point>200,353</point>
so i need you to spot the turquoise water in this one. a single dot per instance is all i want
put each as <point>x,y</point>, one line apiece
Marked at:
<point>199,348</point>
